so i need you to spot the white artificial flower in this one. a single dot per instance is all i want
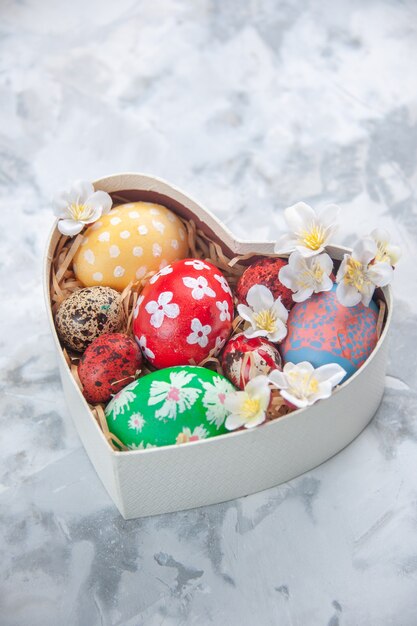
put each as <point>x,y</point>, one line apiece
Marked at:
<point>161,308</point>
<point>199,333</point>
<point>359,274</point>
<point>136,422</point>
<point>175,396</point>
<point>162,272</point>
<point>197,264</point>
<point>79,206</point>
<point>248,407</point>
<point>187,434</point>
<point>301,385</point>
<point>307,275</point>
<point>223,283</point>
<point>267,317</point>
<point>146,351</point>
<point>224,310</point>
<point>386,252</point>
<point>310,233</point>
<point>199,287</point>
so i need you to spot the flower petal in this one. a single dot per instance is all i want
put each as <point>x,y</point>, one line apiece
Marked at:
<point>297,402</point>
<point>296,262</point>
<point>324,391</point>
<point>279,309</point>
<point>81,190</point>
<point>367,293</point>
<point>365,250</point>
<point>280,332</point>
<point>380,274</point>
<point>327,284</point>
<point>302,295</point>
<point>233,421</point>
<point>342,268</point>
<point>234,400</point>
<point>299,216</point>
<point>100,199</point>
<point>304,366</point>
<point>331,372</point>
<point>285,244</point>
<point>278,379</point>
<point>97,212</point>
<point>255,421</point>
<point>348,295</point>
<point>245,312</point>
<point>59,205</point>
<point>69,227</point>
<point>308,252</point>
<point>258,386</point>
<point>394,252</point>
<point>260,297</point>
<point>250,333</point>
<point>325,263</point>
<point>287,277</point>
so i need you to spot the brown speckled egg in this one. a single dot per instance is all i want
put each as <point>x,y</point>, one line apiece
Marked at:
<point>88,313</point>
<point>244,358</point>
<point>265,272</point>
<point>110,362</point>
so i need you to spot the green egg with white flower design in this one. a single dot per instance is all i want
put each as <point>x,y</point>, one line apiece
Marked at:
<point>169,406</point>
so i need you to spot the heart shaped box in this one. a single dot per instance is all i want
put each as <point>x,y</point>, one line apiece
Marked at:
<point>172,478</point>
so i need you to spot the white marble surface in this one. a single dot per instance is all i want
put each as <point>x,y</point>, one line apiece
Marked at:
<point>249,106</point>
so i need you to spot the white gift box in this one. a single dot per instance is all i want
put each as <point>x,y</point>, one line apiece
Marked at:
<point>172,478</point>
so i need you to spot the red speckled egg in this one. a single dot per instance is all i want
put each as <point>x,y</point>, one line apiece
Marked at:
<point>245,358</point>
<point>265,272</point>
<point>110,362</point>
<point>183,313</point>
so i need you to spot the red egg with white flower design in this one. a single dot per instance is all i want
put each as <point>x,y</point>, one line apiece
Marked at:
<point>183,314</point>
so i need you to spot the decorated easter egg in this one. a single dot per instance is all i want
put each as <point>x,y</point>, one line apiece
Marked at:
<point>127,243</point>
<point>244,358</point>
<point>88,313</point>
<point>110,362</point>
<point>264,272</point>
<point>169,406</point>
<point>321,330</point>
<point>183,314</point>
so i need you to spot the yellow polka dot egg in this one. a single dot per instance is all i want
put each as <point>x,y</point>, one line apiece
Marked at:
<point>127,243</point>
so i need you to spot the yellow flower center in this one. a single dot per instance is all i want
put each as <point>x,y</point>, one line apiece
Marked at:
<point>355,274</point>
<point>250,408</point>
<point>313,238</point>
<point>302,385</point>
<point>80,212</point>
<point>266,320</point>
<point>317,272</point>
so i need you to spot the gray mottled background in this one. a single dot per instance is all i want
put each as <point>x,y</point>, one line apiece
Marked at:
<point>249,106</point>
